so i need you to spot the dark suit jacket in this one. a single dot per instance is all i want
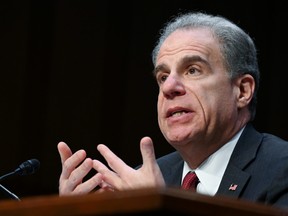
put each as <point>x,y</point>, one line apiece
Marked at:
<point>258,166</point>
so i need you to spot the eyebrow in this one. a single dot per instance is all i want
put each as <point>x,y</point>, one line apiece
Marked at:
<point>160,67</point>
<point>185,60</point>
<point>194,58</point>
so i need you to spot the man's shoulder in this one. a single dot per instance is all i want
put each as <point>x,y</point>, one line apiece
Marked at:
<point>265,144</point>
<point>170,158</point>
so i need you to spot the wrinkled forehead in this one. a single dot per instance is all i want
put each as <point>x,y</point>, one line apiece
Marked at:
<point>189,40</point>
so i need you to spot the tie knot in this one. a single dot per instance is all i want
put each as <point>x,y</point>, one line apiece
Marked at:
<point>190,181</point>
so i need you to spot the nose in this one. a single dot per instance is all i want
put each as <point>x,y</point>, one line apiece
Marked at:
<point>173,86</point>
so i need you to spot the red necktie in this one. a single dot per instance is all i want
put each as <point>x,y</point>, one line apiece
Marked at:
<point>190,181</point>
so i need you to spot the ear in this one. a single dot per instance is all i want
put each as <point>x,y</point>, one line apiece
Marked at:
<point>246,87</point>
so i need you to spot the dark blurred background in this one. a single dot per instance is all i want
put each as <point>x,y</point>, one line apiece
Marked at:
<point>80,72</point>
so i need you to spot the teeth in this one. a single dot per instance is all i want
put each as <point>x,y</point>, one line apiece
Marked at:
<point>178,113</point>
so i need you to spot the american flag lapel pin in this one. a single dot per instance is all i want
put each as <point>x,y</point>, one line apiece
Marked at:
<point>233,187</point>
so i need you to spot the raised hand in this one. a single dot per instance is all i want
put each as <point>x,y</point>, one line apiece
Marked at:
<point>120,176</point>
<point>74,168</point>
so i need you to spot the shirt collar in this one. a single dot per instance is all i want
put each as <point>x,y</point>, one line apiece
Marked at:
<point>211,171</point>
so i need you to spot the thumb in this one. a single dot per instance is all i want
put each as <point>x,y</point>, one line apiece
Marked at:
<point>147,151</point>
<point>150,165</point>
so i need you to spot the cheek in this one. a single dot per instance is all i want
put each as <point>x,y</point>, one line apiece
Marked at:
<point>161,111</point>
<point>223,102</point>
<point>215,97</point>
<point>159,104</point>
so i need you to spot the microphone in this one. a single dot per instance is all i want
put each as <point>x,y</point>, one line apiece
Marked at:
<point>26,168</point>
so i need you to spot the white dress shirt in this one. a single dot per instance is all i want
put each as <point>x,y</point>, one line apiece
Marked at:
<point>211,171</point>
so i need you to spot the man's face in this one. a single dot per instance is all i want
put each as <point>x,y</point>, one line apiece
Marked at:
<point>197,99</point>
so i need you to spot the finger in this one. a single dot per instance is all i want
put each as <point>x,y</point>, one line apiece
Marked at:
<point>72,162</point>
<point>70,180</point>
<point>81,171</point>
<point>105,189</point>
<point>109,177</point>
<point>89,185</point>
<point>114,162</point>
<point>100,167</point>
<point>147,151</point>
<point>150,162</point>
<point>105,185</point>
<point>64,151</point>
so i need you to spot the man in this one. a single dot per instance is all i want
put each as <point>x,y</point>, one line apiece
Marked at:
<point>208,76</point>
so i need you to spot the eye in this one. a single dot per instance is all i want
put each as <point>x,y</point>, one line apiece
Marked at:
<point>161,77</point>
<point>193,71</point>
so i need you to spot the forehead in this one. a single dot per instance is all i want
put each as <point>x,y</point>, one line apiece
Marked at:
<point>199,40</point>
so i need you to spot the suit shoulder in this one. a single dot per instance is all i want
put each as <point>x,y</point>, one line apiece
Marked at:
<point>170,158</point>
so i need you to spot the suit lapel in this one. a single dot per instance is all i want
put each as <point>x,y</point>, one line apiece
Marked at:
<point>235,178</point>
<point>233,182</point>
<point>171,167</point>
<point>174,177</point>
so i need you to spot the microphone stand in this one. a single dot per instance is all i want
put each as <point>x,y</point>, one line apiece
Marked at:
<point>9,193</point>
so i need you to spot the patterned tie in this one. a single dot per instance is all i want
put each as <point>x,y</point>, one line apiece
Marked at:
<point>190,181</point>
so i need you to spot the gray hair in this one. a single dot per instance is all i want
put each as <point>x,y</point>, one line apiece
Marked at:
<point>237,47</point>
